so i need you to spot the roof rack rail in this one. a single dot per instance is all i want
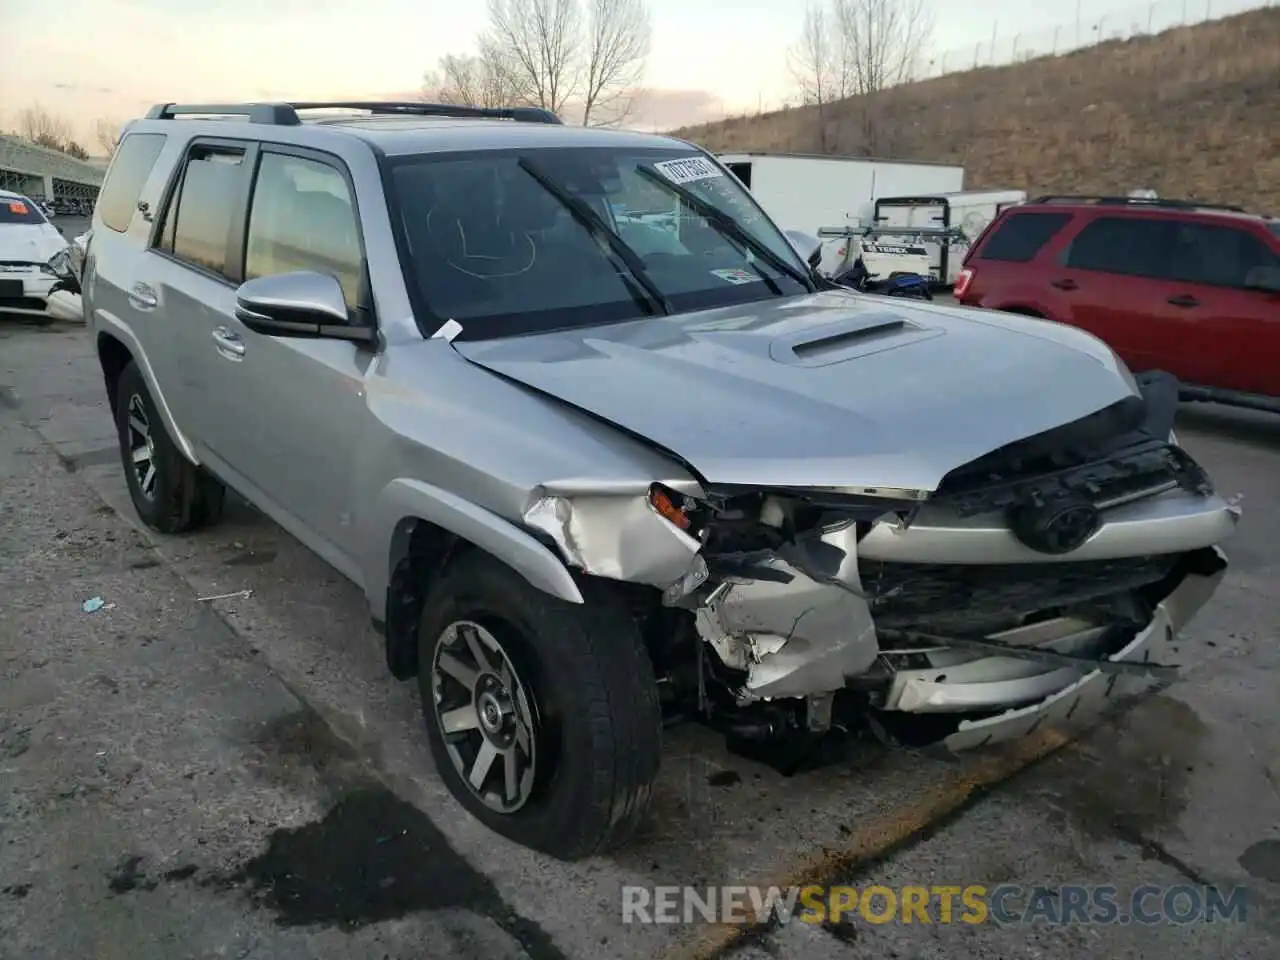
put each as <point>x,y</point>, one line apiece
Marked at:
<point>1135,202</point>
<point>286,114</point>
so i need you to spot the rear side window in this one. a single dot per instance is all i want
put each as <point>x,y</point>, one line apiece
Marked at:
<point>203,210</point>
<point>134,159</point>
<point>1126,245</point>
<point>1021,236</point>
<point>19,210</point>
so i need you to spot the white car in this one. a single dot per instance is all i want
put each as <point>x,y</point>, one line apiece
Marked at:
<point>35,258</point>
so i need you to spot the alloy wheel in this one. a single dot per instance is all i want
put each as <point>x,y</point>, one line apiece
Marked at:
<point>142,448</point>
<point>485,716</point>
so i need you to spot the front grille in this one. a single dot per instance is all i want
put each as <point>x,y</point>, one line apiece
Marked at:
<point>975,598</point>
<point>21,303</point>
<point>1144,468</point>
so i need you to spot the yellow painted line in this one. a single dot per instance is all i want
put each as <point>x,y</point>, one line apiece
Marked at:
<point>874,837</point>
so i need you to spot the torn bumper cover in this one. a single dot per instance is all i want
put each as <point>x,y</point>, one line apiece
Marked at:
<point>1000,638</point>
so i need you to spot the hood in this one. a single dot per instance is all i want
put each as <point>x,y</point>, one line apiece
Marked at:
<point>30,242</point>
<point>831,390</point>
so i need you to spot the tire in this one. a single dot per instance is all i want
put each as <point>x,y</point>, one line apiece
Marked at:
<point>584,691</point>
<point>170,493</point>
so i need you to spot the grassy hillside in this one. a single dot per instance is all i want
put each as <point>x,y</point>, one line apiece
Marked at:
<point>1193,112</point>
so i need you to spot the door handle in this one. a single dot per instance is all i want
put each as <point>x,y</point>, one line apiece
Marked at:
<point>1184,300</point>
<point>142,296</point>
<point>1067,284</point>
<point>229,343</point>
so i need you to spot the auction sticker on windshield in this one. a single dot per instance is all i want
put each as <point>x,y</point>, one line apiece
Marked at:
<point>688,169</point>
<point>737,276</point>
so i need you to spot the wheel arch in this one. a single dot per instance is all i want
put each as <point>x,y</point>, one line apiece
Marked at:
<point>116,347</point>
<point>418,528</point>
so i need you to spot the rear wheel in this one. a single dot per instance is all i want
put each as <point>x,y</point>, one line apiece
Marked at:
<point>170,493</point>
<point>542,715</point>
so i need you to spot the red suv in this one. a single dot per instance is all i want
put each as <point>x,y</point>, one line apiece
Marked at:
<point>1169,284</point>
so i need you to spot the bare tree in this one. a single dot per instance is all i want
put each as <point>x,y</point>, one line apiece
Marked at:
<point>106,133</point>
<point>815,64</point>
<point>882,44</point>
<point>858,49</point>
<point>540,42</point>
<point>38,125</point>
<point>480,80</point>
<point>617,46</point>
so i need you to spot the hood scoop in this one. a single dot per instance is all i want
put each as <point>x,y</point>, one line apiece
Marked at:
<point>849,339</point>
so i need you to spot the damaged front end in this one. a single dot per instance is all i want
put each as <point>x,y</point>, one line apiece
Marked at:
<point>1034,584</point>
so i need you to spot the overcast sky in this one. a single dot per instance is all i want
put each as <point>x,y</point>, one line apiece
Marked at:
<point>86,59</point>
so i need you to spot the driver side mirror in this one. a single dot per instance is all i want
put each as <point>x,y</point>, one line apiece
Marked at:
<point>1266,279</point>
<point>808,246</point>
<point>303,303</point>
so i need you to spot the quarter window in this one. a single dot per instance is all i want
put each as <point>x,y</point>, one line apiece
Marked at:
<point>134,160</point>
<point>303,218</point>
<point>1021,236</point>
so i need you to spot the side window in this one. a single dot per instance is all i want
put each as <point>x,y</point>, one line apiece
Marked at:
<point>1126,245</point>
<point>1021,236</point>
<point>135,157</point>
<point>1219,256</point>
<point>202,212</point>
<point>302,218</point>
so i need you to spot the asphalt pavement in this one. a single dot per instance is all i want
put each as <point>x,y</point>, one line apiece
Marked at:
<point>239,777</point>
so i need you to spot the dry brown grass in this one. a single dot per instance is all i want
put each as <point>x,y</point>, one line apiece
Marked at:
<point>1193,112</point>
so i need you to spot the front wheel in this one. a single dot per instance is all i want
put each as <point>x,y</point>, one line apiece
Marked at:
<point>542,715</point>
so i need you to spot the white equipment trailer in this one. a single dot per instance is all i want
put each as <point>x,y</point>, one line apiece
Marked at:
<point>948,222</point>
<point>809,192</point>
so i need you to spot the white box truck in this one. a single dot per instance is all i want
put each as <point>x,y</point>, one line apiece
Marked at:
<point>811,192</point>
<point>947,222</point>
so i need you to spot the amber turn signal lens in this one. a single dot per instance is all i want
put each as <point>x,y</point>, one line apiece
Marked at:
<point>663,503</point>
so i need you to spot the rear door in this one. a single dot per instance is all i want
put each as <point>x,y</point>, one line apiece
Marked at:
<point>1110,280</point>
<point>1231,333</point>
<point>191,278</point>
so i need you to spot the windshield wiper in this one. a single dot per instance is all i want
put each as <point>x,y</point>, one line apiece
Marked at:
<point>727,224</point>
<point>583,213</point>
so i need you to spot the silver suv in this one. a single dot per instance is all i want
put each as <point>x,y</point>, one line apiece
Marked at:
<point>602,450</point>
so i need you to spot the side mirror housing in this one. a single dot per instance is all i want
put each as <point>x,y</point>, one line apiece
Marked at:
<point>808,246</point>
<point>1266,279</point>
<point>303,303</point>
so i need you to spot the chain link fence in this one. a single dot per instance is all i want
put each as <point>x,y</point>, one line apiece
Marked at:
<point>1122,23</point>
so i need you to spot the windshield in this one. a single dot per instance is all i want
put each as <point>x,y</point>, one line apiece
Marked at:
<point>1275,227</point>
<point>512,242</point>
<point>19,210</point>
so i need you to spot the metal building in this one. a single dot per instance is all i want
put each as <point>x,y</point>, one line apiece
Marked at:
<point>45,174</point>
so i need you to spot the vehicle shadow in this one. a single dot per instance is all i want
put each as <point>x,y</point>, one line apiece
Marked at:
<point>1248,426</point>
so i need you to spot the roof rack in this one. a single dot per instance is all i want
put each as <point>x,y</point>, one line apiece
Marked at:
<point>286,114</point>
<point>1135,202</point>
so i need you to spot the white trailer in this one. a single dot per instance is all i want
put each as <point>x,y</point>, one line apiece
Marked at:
<point>809,192</point>
<point>952,221</point>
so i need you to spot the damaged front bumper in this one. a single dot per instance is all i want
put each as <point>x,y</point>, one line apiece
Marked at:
<point>1086,695</point>
<point>950,617</point>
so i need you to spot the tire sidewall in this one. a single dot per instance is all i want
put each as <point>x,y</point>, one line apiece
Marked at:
<point>164,510</point>
<point>573,798</point>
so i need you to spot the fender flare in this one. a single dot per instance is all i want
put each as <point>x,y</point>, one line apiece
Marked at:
<point>107,325</point>
<point>404,498</point>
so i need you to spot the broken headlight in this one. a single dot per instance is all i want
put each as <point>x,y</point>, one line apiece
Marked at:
<point>680,510</point>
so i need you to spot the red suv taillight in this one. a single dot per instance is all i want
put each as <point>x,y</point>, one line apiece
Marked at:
<point>964,279</point>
